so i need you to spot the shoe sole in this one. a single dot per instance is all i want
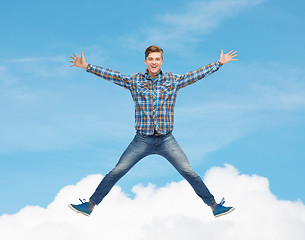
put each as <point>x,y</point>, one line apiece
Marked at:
<point>225,213</point>
<point>75,210</point>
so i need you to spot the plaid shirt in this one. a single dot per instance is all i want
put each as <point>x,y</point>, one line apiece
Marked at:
<point>154,98</point>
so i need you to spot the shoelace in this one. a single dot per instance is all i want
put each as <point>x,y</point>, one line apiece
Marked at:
<point>82,201</point>
<point>222,201</point>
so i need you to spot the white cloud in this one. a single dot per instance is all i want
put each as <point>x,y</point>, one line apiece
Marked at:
<point>34,69</point>
<point>198,18</point>
<point>6,78</point>
<point>205,15</point>
<point>59,59</point>
<point>170,212</point>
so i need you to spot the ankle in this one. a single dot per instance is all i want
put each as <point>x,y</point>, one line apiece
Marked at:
<point>91,206</point>
<point>213,206</point>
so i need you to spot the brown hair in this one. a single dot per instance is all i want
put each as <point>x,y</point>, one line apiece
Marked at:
<point>153,48</point>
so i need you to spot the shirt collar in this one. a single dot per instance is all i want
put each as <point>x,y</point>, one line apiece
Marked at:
<point>147,75</point>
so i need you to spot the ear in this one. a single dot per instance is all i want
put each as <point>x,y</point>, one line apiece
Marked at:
<point>145,62</point>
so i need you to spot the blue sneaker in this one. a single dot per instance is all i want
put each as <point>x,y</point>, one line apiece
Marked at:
<point>220,210</point>
<point>81,208</point>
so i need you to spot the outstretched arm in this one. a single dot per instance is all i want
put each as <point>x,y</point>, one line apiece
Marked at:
<point>107,74</point>
<point>228,57</point>
<point>79,62</point>
<point>191,77</point>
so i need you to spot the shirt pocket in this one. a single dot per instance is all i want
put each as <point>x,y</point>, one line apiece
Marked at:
<point>166,89</point>
<point>143,88</point>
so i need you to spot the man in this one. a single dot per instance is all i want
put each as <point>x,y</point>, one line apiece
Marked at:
<point>154,94</point>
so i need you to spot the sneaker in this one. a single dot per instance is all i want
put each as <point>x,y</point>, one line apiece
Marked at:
<point>220,210</point>
<point>81,208</point>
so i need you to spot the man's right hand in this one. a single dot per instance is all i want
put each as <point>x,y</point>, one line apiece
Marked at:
<point>79,62</point>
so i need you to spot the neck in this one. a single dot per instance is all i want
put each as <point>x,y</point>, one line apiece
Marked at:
<point>153,75</point>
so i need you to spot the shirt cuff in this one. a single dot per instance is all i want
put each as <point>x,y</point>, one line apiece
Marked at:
<point>89,67</point>
<point>220,64</point>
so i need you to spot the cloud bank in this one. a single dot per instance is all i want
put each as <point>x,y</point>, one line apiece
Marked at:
<point>170,212</point>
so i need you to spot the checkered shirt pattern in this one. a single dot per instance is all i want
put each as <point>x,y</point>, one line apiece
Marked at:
<point>154,98</point>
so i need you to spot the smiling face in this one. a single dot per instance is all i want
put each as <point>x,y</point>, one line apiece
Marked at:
<point>154,62</point>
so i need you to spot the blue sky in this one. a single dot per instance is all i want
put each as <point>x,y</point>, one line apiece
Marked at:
<point>60,124</point>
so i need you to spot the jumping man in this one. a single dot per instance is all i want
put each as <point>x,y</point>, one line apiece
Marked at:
<point>154,95</point>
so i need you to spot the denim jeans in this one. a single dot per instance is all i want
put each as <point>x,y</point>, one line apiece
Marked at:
<point>144,145</point>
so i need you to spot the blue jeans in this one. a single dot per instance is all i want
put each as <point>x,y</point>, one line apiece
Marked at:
<point>144,145</point>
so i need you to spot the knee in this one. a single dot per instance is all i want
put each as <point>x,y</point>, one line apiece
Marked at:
<point>188,172</point>
<point>118,171</point>
<point>192,175</point>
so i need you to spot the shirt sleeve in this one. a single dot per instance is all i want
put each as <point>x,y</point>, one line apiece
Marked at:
<point>110,75</point>
<point>194,76</point>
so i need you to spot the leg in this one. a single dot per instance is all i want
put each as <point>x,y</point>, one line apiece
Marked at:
<point>136,150</point>
<point>171,150</point>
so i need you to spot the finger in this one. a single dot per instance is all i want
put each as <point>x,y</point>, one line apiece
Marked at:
<point>233,53</point>
<point>73,65</point>
<point>230,52</point>
<point>75,55</point>
<point>72,58</point>
<point>82,54</point>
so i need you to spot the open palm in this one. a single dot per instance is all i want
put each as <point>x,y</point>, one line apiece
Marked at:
<point>228,57</point>
<point>79,61</point>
